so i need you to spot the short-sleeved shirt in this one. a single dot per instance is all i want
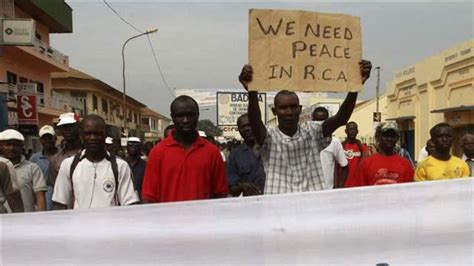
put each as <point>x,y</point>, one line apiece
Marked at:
<point>382,170</point>
<point>293,164</point>
<point>30,180</point>
<point>55,163</point>
<point>94,185</point>
<point>354,156</point>
<point>6,187</point>
<point>469,162</point>
<point>174,173</point>
<point>245,165</point>
<point>434,169</point>
<point>329,156</point>
<point>42,161</point>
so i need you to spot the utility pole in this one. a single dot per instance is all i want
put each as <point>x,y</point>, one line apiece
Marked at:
<point>377,89</point>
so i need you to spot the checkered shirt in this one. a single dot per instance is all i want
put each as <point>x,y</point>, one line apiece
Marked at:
<point>293,164</point>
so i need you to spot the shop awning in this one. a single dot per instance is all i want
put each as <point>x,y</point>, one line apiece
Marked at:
<point>402,118</point>
<point>454,109</point>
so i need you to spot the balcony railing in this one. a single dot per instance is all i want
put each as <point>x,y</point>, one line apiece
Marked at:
<point>59,102</point>
<point>49,51</point>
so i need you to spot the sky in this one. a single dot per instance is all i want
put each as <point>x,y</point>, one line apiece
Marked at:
<point>203,45</point>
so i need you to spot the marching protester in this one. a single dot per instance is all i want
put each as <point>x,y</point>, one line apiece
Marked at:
<point>30,179</point>
<point>426,151</point>
<point>386,166</point>
<point>467,143</point>
<point>184,166</point>
<point>354,149</point>
<point>291,152</point>
<point>334,175</point>
<point>93,178</point>
<point>441,164</point>
<point>12,196</point>
<point>68,127</point>
<point>136,163</point>
<point>245,165</point>
<point>41,158</point>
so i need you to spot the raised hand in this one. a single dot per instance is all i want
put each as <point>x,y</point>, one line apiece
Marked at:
<point>246,76</point>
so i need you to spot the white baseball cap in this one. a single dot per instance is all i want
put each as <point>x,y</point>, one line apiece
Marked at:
<point>202,134</point>
<point>47,129</point>
<point>134,139</point>
<point>68,118</point>
<point>10,134</point>
<point>109,140</point>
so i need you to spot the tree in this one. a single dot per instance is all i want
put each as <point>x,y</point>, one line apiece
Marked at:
<point>209,127</point>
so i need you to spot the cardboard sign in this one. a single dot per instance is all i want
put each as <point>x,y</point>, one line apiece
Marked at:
<point>304,51</point>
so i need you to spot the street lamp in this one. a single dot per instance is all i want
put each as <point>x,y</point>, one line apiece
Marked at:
<point>150,31</point>
<point>377,89</point>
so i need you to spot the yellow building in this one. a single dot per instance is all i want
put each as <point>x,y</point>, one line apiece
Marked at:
<point>437,89</point>
<point>93,96</point>
<point>153,124</point>
<point>32,65</point>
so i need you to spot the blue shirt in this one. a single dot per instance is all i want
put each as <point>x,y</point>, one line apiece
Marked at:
<point>42,161</point>
<point>245,166</point>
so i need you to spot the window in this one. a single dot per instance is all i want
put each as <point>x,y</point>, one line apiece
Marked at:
<point>40,91</point>
<point>105,106</point>
<point>23,80</point>
<point>136,118</point>
<point>12,78</point>
<point>94,102</point>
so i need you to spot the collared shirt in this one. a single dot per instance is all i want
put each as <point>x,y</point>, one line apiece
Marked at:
<point>94,185</point>
<point>42,161</point>
<point>245,165</point>
<point>293,164</point>
<point>174,173</point>
<point>55,163</point>
<point>470,163</point>
<point>30,180</point>
<point>13,178</point>
<point>138,171</point>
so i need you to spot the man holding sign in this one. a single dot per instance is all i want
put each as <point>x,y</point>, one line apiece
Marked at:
<point>306,51</point>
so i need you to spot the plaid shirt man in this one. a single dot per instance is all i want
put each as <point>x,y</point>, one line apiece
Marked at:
<point>293,164</point>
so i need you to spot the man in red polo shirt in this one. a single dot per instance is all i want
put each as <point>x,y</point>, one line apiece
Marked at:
<point>184,166</point>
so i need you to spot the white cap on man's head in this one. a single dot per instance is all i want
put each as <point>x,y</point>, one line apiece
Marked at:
<point>202,134</point>
<point>109,140</point>
<point>47,129</point>
<point>67,118</point>
<point>10,134</point>
<point>134,139</point>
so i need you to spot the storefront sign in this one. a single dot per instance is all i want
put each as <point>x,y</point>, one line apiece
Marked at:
<point>27,110</point>
<point>231,105</point>
<point>18,32</point>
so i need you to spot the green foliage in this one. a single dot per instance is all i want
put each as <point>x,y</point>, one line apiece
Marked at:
<point>209,127</point>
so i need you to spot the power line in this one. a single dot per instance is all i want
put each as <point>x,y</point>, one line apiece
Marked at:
<point>158,67</point>
<point>121,18</point>
<point>151,46</point>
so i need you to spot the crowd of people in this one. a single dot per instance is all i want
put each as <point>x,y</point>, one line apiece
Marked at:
<point>91,170</point>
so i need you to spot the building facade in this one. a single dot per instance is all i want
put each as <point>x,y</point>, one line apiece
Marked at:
<point>30,67</point>
<point>437,89</point>
<point>93,96</point>
<point>153,124</point>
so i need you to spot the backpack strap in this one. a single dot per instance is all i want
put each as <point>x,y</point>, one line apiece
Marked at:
<point>113,162</point>
<point>75,162</point>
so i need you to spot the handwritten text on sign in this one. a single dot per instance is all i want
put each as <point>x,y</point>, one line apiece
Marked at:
<point>304,51</point>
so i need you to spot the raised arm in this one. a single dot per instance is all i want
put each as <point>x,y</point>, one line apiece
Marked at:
<point>254,113</point>
<point>345,111</point>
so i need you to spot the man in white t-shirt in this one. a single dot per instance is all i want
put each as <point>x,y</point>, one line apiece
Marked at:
<point>98,179</point>
<point>334,177</point>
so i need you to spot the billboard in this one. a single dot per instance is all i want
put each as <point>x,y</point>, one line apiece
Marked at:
<point>231,105</point>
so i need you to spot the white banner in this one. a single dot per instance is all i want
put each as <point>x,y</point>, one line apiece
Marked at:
<point>231,105</point>
<point>428,223</point>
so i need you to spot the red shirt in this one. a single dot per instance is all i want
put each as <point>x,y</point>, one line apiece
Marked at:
<point>353,156</point>
<point>381,170</point>
<point>175,174</point>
